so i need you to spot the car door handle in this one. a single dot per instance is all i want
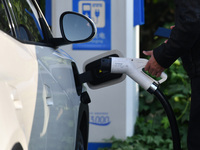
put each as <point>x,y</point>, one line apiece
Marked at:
<point>47,100</point>
<point>48,95</point>
<point>15,97</point>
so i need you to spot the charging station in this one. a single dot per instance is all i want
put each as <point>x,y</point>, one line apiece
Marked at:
<point>114,109</point>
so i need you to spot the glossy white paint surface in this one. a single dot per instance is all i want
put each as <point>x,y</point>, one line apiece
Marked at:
<point>39,104</point>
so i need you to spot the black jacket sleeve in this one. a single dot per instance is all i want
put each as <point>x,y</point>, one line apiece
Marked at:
<point>183,36</point>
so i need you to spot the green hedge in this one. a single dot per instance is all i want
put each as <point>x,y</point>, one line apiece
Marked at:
<point>152,130</point>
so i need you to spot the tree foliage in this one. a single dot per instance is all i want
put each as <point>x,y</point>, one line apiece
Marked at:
<point>158,13</point>
<point>41,3</point>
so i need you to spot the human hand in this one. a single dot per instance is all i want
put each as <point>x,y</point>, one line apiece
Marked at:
<point>152,66</point>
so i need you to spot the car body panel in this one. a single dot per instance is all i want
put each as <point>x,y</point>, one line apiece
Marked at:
<point>40,107</point>
<point>20,86</point>
<point>40,85</point>
<point>57,100</point>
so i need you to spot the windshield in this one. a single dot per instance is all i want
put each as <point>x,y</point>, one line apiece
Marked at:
<point>26,19</point>
<point>4,23</point>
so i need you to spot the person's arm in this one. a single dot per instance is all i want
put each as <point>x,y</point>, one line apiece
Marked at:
<point>183,36</point>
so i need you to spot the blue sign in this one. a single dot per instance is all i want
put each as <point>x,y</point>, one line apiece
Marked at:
<point>138,12</point>
<point>100,12</point>
<point>48,11</point>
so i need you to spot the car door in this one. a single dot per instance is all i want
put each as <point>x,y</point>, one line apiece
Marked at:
<point>48,97</point>
<point>61,102</point>
<point>19,78</point>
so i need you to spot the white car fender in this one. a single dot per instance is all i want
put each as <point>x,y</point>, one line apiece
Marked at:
<point>11,132</point>
<point>18,92</point>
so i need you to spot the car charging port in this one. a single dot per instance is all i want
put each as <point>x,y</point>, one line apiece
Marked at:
<point>100,70</point>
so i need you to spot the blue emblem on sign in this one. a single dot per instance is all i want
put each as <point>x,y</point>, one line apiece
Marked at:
<point>99,118</point>
<point>99,11</point>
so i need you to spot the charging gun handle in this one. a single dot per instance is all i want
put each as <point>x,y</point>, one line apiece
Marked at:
<point>133,67</point>
<point>140,64</point>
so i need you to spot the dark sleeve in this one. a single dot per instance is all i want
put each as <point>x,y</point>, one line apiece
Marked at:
<point>183,36</point>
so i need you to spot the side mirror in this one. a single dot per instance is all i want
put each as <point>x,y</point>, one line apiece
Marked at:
<point>76,28</point>
<point>98,78</point>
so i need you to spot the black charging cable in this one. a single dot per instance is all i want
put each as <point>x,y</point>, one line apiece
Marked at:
<point>171,117</point>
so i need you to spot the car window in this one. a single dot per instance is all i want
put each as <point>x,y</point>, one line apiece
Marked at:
<point>4,24</point>
<point>28,27</point>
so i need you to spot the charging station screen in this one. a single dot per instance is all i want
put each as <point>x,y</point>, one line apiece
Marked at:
<point>100,12</point>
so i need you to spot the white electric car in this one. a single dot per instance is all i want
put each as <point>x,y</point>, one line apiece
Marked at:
<point>42,104</point>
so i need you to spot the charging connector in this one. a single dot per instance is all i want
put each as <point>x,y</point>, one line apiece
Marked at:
<point>106,64</point>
